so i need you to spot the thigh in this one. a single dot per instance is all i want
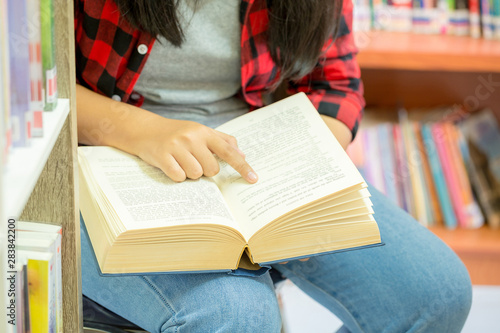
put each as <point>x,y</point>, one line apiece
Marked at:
<point>414,283</point>
<point>215,302</point>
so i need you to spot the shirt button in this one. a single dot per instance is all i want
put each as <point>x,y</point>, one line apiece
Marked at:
<point>116,98</point>
<point>142,49</point>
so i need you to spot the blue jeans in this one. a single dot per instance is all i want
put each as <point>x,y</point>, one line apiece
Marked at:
<point>414,283</point>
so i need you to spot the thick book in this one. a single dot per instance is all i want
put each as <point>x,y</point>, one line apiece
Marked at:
<point>310,199</point>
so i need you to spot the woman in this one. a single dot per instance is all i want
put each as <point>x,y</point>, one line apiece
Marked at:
<point>191,64</point>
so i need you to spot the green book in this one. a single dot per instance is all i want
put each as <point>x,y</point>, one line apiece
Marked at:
<point>48,54</point>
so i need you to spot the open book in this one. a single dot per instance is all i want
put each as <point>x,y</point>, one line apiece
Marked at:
<point>310,199</point>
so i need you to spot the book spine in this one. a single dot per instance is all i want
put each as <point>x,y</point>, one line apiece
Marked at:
<point>440,138</point>
<point>35,54</point>
<point>403,170</point>
<point>39,294</point>
<point>414,164</point>
<point>461,18</point>
<point>400,15</point>
<point>474,19</point>
<point>20,307</point>
<point>19,73</point>
<point>376,172</point>
<point>449,217</point>
<point>473,214</point>
<point>58,279</point>
<point>433,205</point>
<point>496,19</point>
<point>48,54</point>
<point>25,295</point>
<point>486,19</point>
<point>388,162</point>
<point>6,140</point>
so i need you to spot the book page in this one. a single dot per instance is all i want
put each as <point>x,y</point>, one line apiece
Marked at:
<point>144,197</point>
<point>297,159</point>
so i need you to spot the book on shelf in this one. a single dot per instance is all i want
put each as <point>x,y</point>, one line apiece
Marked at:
<point>19,73</point>
<point>474,18</point>
<point>44,237</point>
<point>48,54</point>
<point>36,76</point>
<point>480,142</point>
<point>309,200</point>
<point>434,180</point>
<point>41,289</point>
<point>5,127</point>
<point>448,216</point>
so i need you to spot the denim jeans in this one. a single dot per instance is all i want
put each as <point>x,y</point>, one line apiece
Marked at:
<point>414,283</point>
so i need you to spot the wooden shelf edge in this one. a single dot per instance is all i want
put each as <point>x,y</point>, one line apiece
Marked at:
<point>391,50</point>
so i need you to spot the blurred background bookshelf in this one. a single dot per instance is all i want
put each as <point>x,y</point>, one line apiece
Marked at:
<point>424,71</point>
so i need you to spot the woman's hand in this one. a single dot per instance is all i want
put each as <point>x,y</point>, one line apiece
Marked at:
<point>185,149</point>
<point>182,149</point>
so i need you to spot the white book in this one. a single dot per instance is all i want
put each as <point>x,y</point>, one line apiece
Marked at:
<point>40,236</point>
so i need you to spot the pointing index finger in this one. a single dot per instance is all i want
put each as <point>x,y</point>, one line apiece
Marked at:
<point>233,157</point>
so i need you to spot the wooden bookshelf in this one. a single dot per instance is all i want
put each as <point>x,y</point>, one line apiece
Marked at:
<point>392,50</point>
<point>40,182</point>
<point>479,249</point>
<point>425,71</point>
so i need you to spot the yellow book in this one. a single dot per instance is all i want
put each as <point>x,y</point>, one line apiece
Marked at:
<point>310,199</point>
<point>41,290</point>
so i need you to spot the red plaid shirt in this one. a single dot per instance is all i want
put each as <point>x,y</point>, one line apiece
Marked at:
<point>110,55</point>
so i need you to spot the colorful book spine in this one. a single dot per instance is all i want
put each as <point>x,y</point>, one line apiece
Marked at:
<point>413,157</point>
<point>400,15</point>
<point>433,203</point>
<point>474,19</point>
<point>460,18</point>
<point>5,127</point>
<point>445,204</point>
<point>403,171</point>
<point>389,173</point>
<point>19,74</point>
<point>53,233</point>
<point>41,289</point>
<point>36,75</point>
<point>473,214</point>
<point>495,18</point>
<point>440,137</point>
<point>375,167</point>
<point>48,54</point>
<point>486,21</point>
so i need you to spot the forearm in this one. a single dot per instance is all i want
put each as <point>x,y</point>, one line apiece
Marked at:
<point>339,129</point>
<point>103,121</point>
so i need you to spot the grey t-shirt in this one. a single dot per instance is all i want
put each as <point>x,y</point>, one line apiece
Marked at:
<point>199,80</point>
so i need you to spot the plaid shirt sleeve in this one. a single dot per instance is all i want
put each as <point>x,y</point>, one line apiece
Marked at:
<point>109,53</point>
<point>334,86</point>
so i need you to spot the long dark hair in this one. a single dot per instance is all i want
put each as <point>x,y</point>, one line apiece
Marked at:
<point>297,31</point>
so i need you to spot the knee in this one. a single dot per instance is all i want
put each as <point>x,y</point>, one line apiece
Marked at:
<point>248,306</point>
<point>447,300</point>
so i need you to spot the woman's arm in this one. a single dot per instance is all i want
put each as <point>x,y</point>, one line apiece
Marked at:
<point>339,129</point>
<point>182,149</point>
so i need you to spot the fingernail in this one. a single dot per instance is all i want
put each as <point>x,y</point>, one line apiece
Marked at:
<point>251,176</point>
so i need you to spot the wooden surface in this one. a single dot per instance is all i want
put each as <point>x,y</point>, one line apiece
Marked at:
<point>431,88</point>
<point>54,198</point>
<point>392,50</point>
<point>479,249</point>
